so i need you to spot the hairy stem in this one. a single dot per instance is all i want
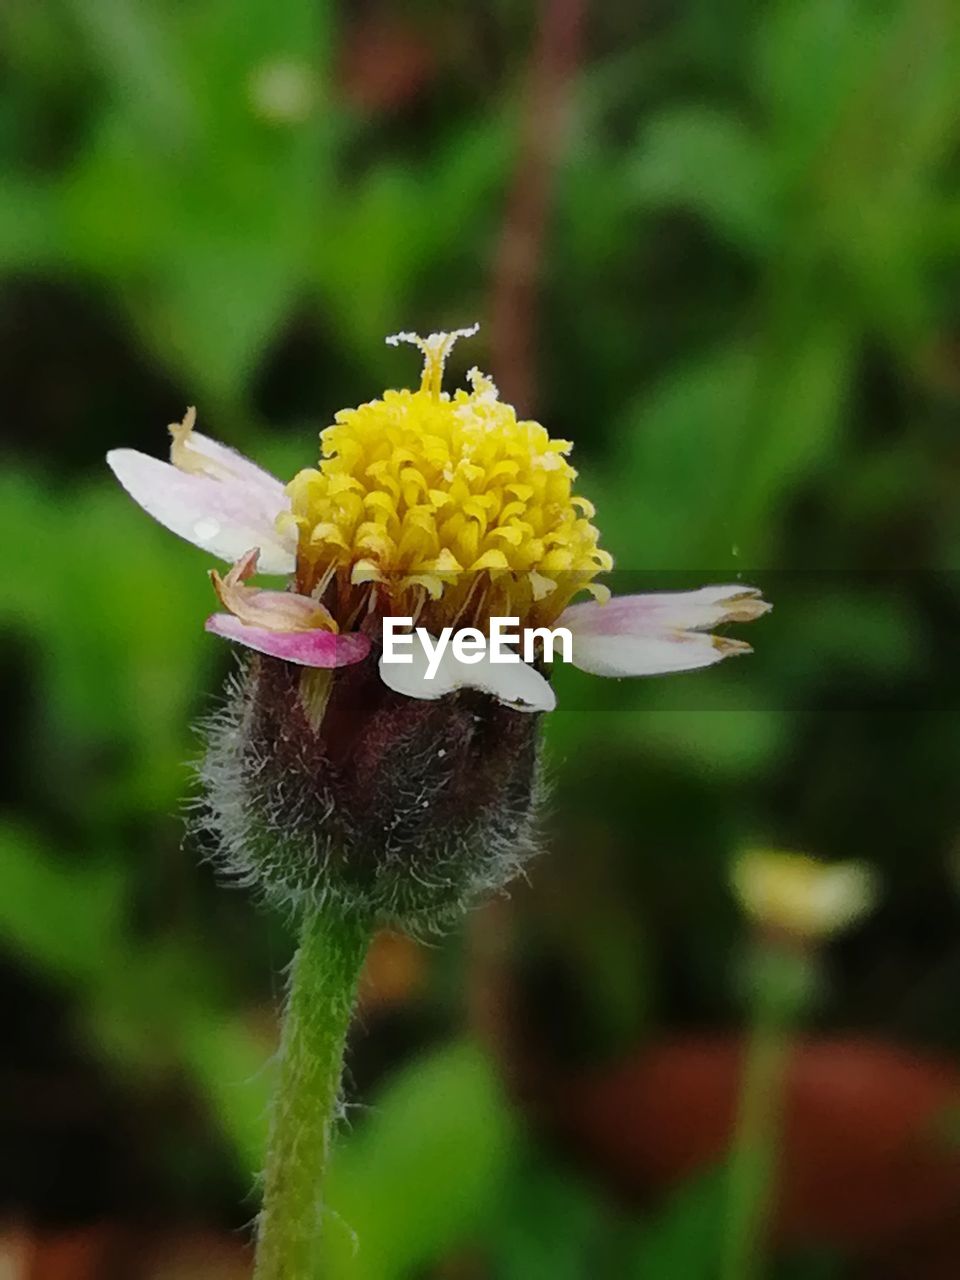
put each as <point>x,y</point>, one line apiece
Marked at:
<point>323,987</point>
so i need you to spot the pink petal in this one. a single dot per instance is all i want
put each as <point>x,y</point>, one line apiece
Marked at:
<point>306,648</point>
<point>661,610</point>
<point>651,655</point>
<point>225,516</point>
<point>653,634</point>
<point>274,610</point>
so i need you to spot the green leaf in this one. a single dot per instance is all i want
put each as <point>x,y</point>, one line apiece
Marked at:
<point>712,165</point>
<point>684,1237</point>
<point>681,442</point>
<point>422,1170</point>
<point>549,1224</point>
<point>65,919</point>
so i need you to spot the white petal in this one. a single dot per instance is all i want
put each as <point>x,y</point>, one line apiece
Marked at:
<point>666,610</point>
<point>231,462</point>
<point>224,516</point>
<point>515,684</point>
<point>651,655</point>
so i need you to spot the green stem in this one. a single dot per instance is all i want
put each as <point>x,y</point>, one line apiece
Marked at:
<point>323,985</point>
<point>780,979</point>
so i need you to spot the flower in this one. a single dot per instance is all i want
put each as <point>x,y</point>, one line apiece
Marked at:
<point>446,509</point>
<point>333,777</point>
<point>794,894</point>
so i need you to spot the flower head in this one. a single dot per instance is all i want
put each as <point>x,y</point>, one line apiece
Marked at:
<point>399,792</point>
<point>447,509</point>
<point>450,510</point>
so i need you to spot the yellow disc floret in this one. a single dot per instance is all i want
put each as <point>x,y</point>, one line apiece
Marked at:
<point>449,508</point>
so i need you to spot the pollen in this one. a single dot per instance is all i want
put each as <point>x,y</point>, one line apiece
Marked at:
<point>448,508</point>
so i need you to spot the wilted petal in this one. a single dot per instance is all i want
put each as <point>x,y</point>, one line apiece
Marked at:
<point>306,648</point>
<point>223,515</point>
<point>515,684</point>
<point>275,610</point>
<point>661,632</point>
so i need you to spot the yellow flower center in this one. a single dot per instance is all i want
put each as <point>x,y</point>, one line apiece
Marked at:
<point>446,508</point>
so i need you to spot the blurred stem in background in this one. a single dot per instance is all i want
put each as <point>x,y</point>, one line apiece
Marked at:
<point>552,80</point>
<point>781,980</point>
<point>795,903</point>
<point>323,984</point>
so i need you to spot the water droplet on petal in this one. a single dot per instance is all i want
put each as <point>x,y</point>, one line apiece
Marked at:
<point>207,529</point>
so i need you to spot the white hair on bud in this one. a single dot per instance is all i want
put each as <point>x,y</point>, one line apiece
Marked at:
<point>287,836</point>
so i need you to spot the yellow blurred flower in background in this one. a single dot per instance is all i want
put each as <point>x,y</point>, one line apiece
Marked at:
<point>796,894</point>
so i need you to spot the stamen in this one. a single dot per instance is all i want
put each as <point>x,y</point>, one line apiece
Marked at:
<point>435,347</point>
<point>187,455</point>
<point>181,455</point>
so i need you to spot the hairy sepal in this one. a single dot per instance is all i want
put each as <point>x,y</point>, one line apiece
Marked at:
<point>399,810</point>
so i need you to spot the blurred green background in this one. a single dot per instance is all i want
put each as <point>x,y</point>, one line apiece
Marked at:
<point>717,246</point>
